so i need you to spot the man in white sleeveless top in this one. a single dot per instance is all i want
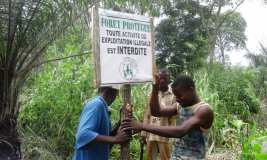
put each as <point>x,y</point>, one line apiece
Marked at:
<point>194,118</point>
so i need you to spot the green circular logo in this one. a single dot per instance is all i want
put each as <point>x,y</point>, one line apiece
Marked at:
<point>128,68</point>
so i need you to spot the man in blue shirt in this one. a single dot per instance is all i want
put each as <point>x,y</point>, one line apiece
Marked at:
<point>93,135</point>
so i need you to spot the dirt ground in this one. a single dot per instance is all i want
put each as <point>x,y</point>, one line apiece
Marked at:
<point>225,154</point>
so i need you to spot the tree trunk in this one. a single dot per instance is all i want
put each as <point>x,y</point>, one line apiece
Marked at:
<point>221,47</point>
<point>9,139</point>
<point>212,44</point>
<point>213,33</point>
<point>222,55</point>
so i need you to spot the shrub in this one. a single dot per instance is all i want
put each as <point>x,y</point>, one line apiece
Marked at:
<point>230,93</point>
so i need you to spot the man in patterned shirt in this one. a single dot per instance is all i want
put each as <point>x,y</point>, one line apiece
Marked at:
<point>157,143</point>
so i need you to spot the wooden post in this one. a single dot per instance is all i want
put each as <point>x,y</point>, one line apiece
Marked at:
<point>154,66</point>
<point>96,40</point>
<point>126,96</point>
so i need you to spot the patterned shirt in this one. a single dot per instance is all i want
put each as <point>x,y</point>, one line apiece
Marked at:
<point>193,145</point>
<point>165,99</point>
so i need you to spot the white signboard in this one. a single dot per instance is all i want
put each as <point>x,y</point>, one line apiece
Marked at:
<point>125,48</point>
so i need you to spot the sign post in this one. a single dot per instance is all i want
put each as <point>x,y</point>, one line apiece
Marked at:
<point>95,47</point>
<point>126,96</point>
<point>123,53</point>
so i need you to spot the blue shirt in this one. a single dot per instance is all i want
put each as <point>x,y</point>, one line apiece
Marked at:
<point>94,121</point>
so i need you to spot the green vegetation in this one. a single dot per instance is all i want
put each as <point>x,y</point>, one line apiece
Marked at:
<point>46,71</point>
<point>254,146</point>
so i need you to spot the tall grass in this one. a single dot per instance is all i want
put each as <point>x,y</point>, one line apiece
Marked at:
<point>232,97</point>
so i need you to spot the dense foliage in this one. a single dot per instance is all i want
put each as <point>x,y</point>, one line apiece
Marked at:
<point>231,94</point>
<point>255,145</point>
<point>186,48</point>
<point>54,94</point>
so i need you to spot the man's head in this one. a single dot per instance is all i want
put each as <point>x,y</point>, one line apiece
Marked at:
<point>108,93</point>
<point>164,79</point>
<point>184,89</point>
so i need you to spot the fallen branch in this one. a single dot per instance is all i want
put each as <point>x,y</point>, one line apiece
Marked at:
<point>211,148</point>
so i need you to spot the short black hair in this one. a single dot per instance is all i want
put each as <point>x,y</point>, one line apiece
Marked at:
<point>164,71</point>
<point>107,89</point>
<point>184,82</point>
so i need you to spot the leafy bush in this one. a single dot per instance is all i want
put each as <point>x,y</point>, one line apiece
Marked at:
<point>232,97</point>
<point>253,147</point>
<point>55,102</point>
<point>54,95</point>
<point>35,147</point>
<point>234,88</point>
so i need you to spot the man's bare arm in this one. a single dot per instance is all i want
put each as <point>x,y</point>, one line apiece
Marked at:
<point>172,131</point>
<point>203,118</point>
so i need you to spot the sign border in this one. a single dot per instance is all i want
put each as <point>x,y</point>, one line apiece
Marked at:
<point>96,44</point>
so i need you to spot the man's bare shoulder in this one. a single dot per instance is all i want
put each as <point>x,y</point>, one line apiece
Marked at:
<point>206,115</point>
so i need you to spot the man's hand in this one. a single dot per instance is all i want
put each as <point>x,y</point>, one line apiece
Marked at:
<point>121,136</point>
<point>143,139</point>
<point>130,124</point>
<point>115,129</point>
<point>157,82</point>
